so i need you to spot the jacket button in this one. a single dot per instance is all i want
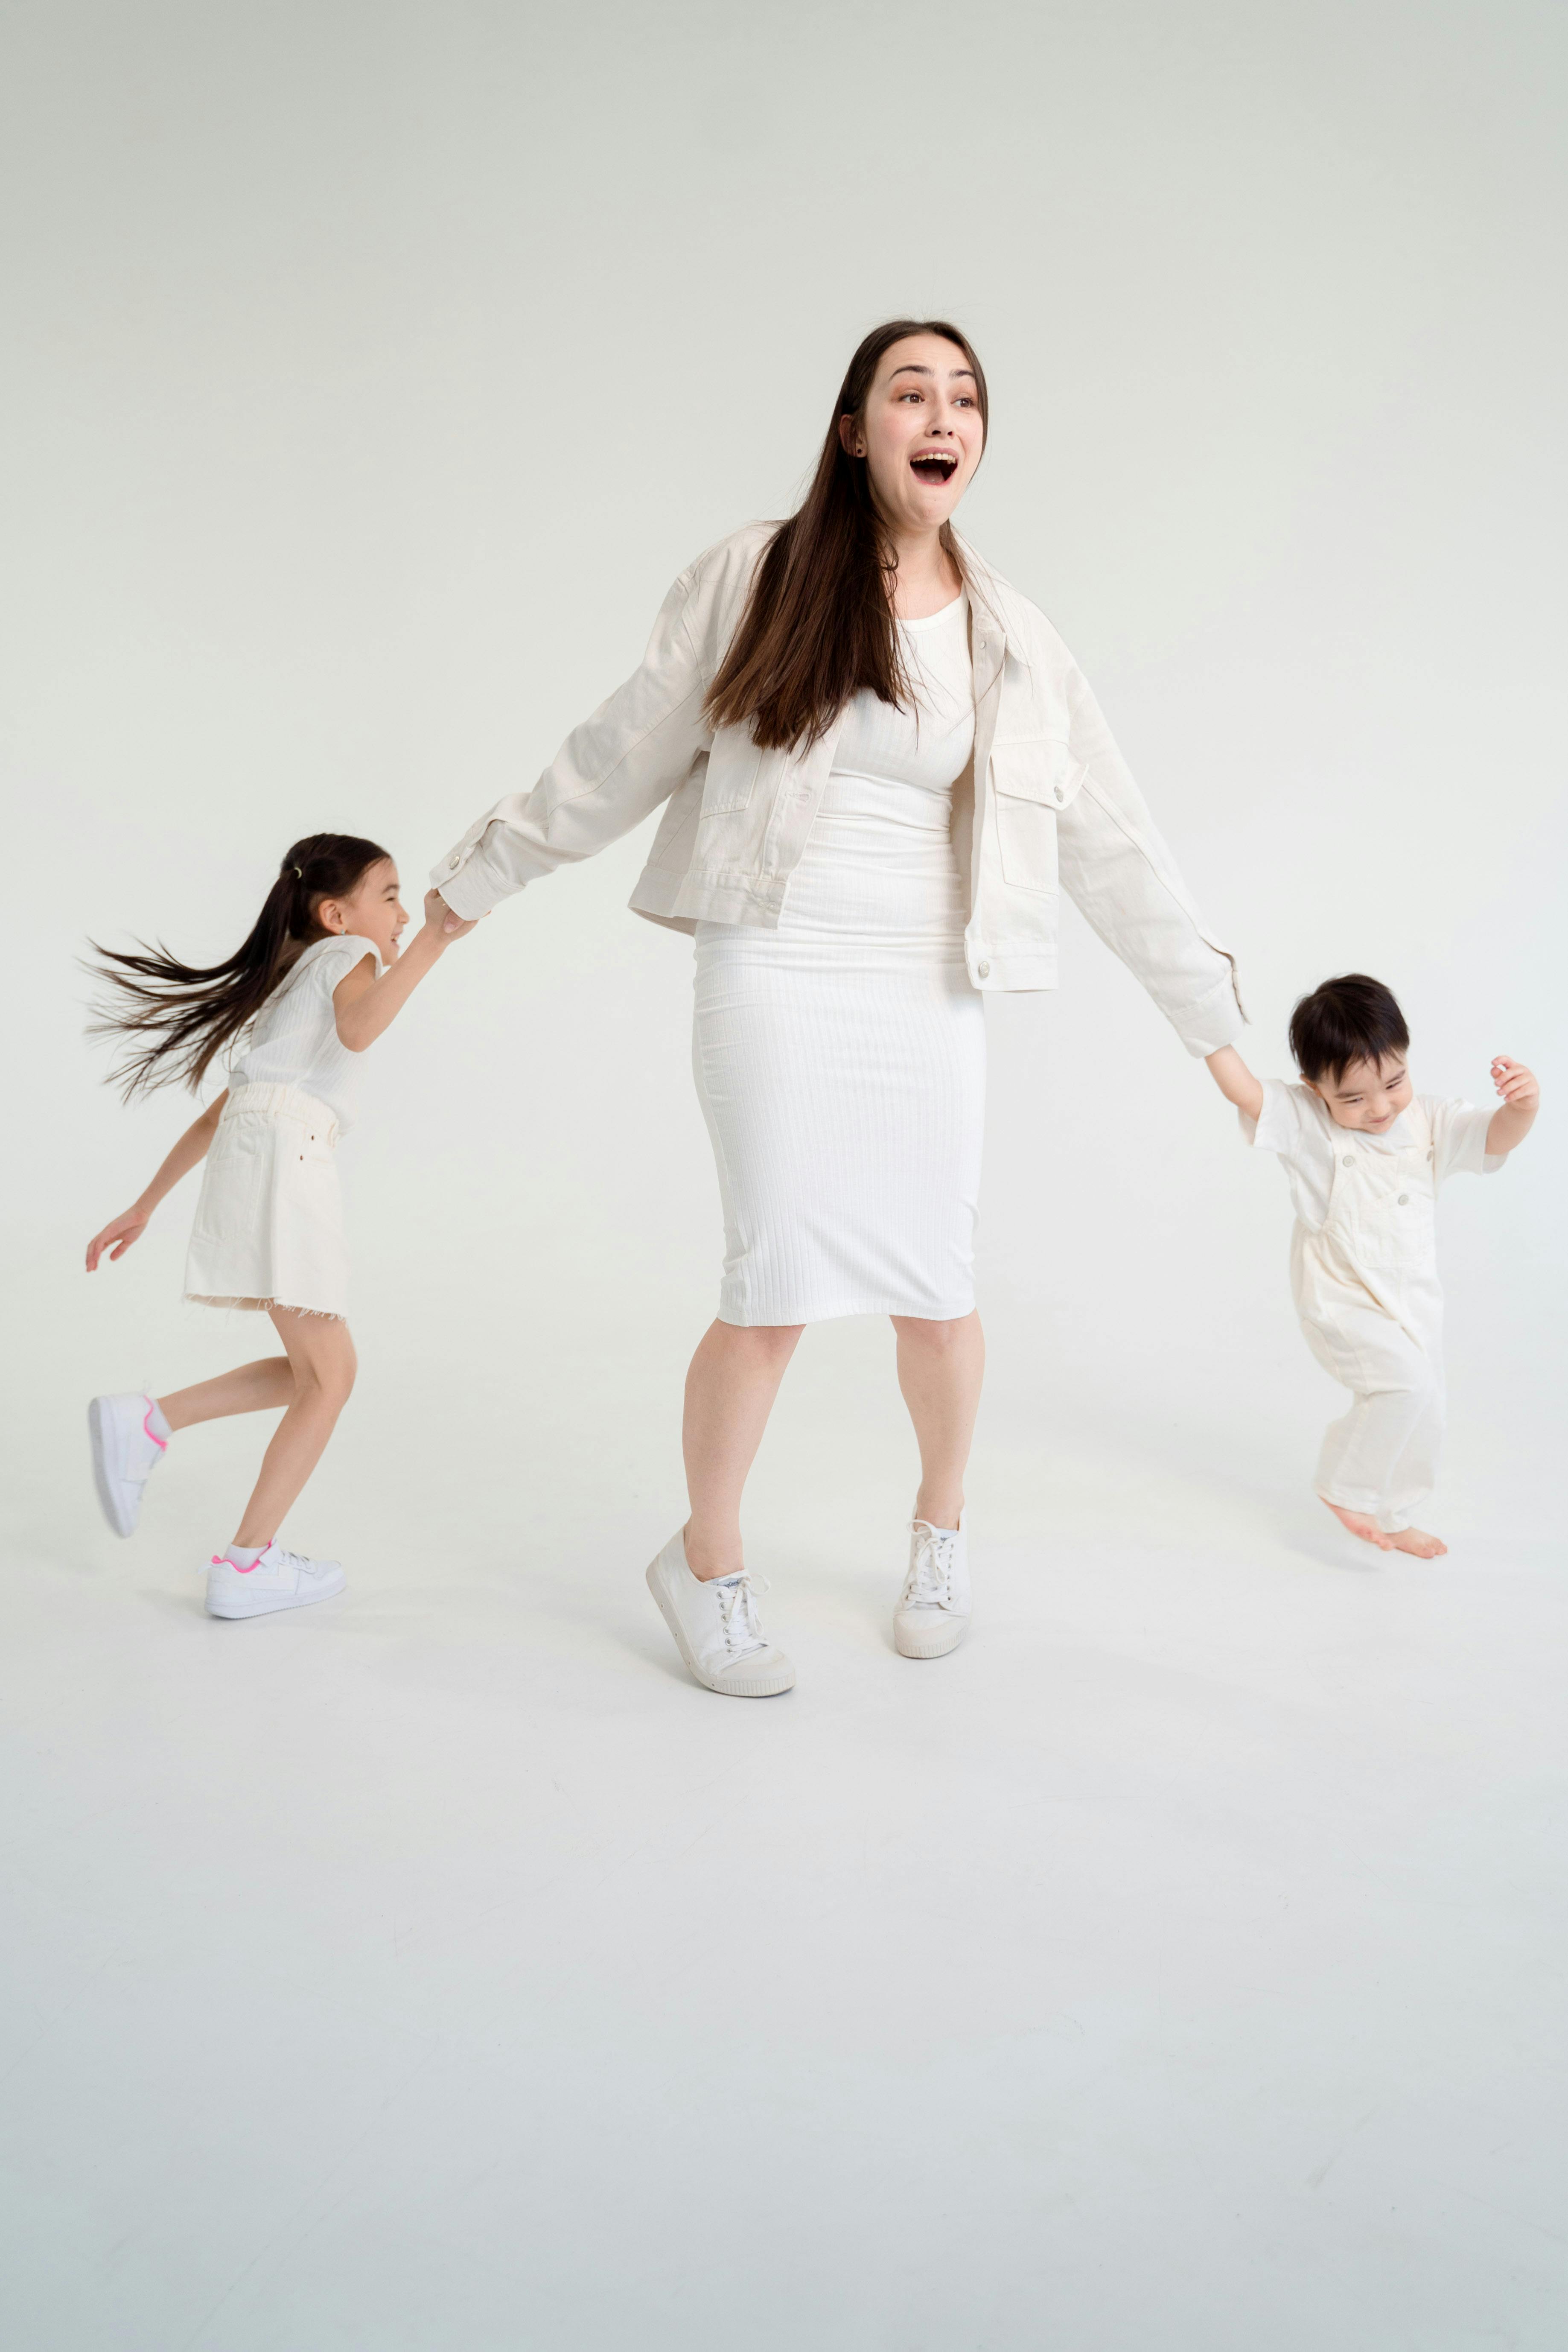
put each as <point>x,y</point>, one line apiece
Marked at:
<point>1404,1197</point>
<point>1059,792</point>
<point>1350,1160</point>
<point>452,865</point>
<point>984,969</point>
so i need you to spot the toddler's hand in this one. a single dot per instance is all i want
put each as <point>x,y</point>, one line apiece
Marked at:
<point>1519,1088</point>
<point>439,917</point>
<point>121,1233</point>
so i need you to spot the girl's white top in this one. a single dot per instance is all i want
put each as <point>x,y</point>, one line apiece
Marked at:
<point>294,1040</point>
<point>1294,1122</point>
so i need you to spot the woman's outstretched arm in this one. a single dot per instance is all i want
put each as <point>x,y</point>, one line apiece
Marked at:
<point>609,773</point>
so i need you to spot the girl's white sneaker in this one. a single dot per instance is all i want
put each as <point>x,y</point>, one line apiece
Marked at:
<point>275,1579</point>
<point>125,1453</point>
<point>717,1627</point>
<point>933,1612</point>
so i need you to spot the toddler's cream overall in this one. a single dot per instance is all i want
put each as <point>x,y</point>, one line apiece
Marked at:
<point>1363,1274</point>
<point>1366,1290</point>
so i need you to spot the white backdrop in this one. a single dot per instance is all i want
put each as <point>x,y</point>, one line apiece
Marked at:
<point>379,367</point>
<point>372,369</point>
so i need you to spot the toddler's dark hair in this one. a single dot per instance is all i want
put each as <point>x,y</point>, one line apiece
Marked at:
<point>179,1015</point>
<point>1353,1019</point>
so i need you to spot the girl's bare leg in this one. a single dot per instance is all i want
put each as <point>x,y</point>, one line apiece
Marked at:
<point>266,1386</point>
<point>730,1388</point>
<point>323,1365</point>
<point>941,1367</point>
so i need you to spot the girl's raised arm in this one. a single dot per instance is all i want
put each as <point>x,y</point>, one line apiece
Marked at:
<point>191,1149</point>
<point>362,1005</point>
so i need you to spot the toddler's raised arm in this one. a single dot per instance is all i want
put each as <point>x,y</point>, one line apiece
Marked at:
<point>1520,1092</point>
<point>1236,1081</point>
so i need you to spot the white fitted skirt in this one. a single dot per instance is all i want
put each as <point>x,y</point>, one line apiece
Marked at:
<point>840,1063</point>
<point>269,1222</point>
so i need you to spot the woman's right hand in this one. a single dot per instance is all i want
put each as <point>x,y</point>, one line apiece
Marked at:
<point>120,1233</point>
<point>439,916</point>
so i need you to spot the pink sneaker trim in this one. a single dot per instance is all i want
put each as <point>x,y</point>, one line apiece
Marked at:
<point>161,1443</point>
<point>240,1568</point>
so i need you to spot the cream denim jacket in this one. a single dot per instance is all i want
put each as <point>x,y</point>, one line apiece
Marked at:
<point>1056,805</point>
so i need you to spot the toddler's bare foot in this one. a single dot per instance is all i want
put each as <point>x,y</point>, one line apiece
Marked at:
<point>1419,1545</point>
<point>1360,1525</point>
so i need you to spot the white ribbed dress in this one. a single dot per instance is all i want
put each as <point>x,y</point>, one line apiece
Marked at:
<point>840,1059</point>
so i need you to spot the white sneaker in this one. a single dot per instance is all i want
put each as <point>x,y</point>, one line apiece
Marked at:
<point>933,1612</point>
<point>124,1455</point>
<point>276,1580</point>
<point>716,1628</point>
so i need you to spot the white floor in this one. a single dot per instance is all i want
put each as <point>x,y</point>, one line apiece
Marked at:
<point>1177,1968</point>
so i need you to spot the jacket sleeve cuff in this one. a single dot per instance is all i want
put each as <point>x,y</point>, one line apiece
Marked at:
<point>1214,1021</point>
<point>466,883</point>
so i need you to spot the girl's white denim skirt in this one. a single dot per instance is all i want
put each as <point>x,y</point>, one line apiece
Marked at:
<point>269,1223</point>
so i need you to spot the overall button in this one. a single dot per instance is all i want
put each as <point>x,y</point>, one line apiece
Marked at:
<point>452,865</point>
<point>1058,791</point>
<point>1350,1160</point>
<point>984,969</point>
<point>1404,1198</point>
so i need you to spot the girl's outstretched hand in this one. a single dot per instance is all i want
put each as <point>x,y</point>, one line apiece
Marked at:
<point>122,1233</point>
<point>440,917</point>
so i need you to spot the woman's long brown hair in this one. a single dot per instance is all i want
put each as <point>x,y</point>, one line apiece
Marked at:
<point>176,1016</point>
<point>818,625</point>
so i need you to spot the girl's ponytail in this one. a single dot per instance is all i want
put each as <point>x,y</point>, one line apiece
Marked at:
<point>177,1016</point>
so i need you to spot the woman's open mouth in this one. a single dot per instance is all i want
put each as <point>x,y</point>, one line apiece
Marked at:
<point>938,466</point>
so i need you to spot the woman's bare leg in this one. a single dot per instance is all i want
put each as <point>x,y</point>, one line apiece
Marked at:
<point>941,1367</point>
<point>730,1388</point>
<point>322,1364</point>
<point>266,1386</point>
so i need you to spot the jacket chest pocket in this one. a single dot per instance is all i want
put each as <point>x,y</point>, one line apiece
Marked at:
<point>1031,781</point>
<point>733,764</point>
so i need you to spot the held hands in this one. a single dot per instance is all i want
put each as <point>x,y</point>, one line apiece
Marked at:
<point>440,918</point>
<point>121,1233</point>
<point>1519,1087</point>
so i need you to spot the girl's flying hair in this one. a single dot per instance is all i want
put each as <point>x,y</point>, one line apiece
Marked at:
<point>177,1016</point>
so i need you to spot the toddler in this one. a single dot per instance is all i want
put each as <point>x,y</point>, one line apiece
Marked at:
<point>1366,1158</point>
<point>315,983</point>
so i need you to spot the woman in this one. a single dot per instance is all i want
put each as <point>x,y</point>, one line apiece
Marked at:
<point>876,756</point>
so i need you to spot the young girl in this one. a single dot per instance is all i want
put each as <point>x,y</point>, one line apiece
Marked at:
<point>317,981</point>
<point>1366,1158</point>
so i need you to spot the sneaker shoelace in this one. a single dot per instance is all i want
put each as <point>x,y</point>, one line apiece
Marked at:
<point>738,1617</point>
<point>929,1583</point>
<point>281,1561</point>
